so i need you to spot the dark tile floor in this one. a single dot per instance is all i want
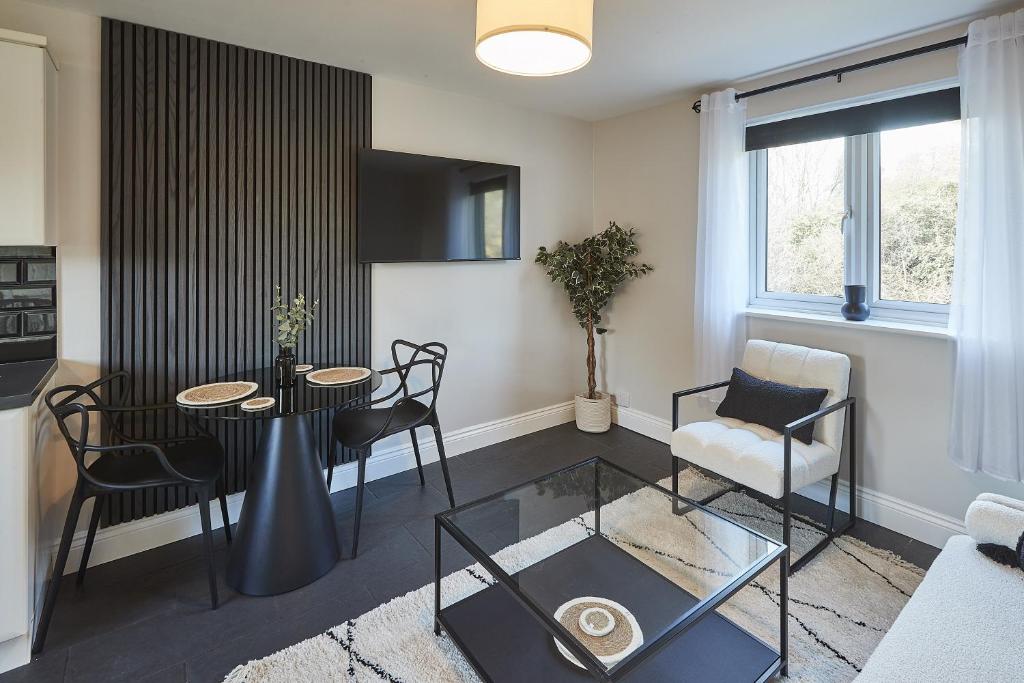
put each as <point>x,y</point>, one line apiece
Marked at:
<point>147,617</point>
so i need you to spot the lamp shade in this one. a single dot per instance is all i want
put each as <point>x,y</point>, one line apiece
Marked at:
<point>534,37</point>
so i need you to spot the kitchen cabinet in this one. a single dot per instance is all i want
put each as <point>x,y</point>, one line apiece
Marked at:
<point>28,132</point>
<point>26,432</point>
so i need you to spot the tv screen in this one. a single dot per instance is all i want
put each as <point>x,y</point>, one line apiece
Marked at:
<point>422,208</point>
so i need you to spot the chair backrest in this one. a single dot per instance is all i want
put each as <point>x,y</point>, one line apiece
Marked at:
<point>432,354</point>
<point>805,367</point>
<point>70,400</point>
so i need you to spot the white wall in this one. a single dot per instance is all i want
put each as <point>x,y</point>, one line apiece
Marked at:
<point>646,173</point>
<point>512,342</point>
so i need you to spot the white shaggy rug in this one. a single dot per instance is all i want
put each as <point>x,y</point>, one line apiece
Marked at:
<point>840,604</point>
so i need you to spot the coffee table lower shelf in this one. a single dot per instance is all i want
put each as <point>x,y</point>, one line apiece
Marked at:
<point>506,644</point>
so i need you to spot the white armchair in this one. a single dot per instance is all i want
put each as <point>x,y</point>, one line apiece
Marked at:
<point>769,462</point>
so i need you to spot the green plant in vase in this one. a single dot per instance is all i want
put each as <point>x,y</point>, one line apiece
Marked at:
<point>292,320</point>
<point>591,272</point>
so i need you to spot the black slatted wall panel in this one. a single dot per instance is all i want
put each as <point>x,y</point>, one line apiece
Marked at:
<point>225,171</point>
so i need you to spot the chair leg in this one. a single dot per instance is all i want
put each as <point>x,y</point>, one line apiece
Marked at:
<point>675,483</point>
<point>221,493</point>
<point>416,450</point>
<point>331,459</point>
<point>94,522</point>
<point>204,515</point>
<point>853,465</point>
<point>787,523</point>
<point>359,502</point>
<point>50,602</point>
<point>830,531</point>
<point>444,462</point>
<point>832,503</point>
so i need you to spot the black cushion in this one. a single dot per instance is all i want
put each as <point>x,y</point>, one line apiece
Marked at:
<point>771,404</point>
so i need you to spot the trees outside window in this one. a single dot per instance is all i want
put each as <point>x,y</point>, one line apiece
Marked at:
<point>878,209</point>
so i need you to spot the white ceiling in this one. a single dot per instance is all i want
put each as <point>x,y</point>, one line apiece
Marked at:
<point>646,52</point>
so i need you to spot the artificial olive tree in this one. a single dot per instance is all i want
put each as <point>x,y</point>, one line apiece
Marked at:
<point>591,271</point>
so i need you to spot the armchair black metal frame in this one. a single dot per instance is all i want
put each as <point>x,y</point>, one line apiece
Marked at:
<point>434,355</point>
<point>830,531</point>
<point>65,403</point>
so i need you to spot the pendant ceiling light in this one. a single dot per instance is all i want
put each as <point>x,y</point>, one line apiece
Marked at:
<point>534,37</point>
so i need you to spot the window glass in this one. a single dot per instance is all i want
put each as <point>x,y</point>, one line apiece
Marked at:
<point>805,207</point>
<point>919,181</point>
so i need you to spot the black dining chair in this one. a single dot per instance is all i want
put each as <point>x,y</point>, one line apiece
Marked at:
<point>127,463</point>
<point>358,428</point>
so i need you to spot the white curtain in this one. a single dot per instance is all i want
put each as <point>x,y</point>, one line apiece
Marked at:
<point>723,238</point>
<point>987,313</point>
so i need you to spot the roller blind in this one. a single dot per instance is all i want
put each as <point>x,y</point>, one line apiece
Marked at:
<point>903,112</point>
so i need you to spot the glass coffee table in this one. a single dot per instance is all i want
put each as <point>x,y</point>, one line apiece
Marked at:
<point>596,574</point>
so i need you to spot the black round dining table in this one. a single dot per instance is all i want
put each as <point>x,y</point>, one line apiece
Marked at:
<point>286,536</point>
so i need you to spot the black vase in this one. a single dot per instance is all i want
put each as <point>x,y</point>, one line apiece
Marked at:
<point>284,367</point>
<point>856,307</point>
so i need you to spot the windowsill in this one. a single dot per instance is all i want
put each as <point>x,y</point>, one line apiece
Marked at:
<point>870,325</point>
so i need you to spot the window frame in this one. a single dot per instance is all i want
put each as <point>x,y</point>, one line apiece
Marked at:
<point>862,239</point>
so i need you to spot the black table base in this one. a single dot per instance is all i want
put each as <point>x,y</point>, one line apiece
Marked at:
<point>286,536</point>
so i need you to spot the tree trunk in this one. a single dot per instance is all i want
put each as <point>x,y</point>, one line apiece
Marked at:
<point>591,361</point>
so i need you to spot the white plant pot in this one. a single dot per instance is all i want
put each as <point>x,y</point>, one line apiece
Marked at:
<point>594,414</point>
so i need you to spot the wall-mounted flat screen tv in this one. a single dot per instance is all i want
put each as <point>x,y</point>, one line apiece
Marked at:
<point>423,208</point>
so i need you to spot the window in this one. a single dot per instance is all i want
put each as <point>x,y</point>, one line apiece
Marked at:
<point>876,208</point>
<point>919,180</point>
<point>806,202</point>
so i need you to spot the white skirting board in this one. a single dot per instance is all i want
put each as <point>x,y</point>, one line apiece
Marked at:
<point>134,537</point>
<point>909,519</point>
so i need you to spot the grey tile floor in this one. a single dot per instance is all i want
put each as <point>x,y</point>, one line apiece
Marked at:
<point>147,617</point>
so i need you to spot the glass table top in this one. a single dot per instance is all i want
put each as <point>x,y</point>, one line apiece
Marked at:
<point>595,526</point>
<point>303,397</point>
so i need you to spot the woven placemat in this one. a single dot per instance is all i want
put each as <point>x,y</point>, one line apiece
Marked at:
<point>603,646</point>
<point>218,392</point>
<point>337,375</point>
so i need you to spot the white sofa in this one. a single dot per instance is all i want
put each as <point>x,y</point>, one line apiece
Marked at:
<point>964,623</point>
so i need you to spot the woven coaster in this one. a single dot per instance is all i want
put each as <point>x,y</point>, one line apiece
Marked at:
<point>603,646</point>
<point>257,404</point>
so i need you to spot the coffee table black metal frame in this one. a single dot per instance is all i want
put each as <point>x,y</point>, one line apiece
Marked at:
<point>595,669</point>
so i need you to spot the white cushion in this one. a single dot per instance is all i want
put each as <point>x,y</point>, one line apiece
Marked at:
<point>963,623</point>
<point>805,367</point>
<point>752,455</point>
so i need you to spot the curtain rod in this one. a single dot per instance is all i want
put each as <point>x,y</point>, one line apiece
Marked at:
<point>838,73</point>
